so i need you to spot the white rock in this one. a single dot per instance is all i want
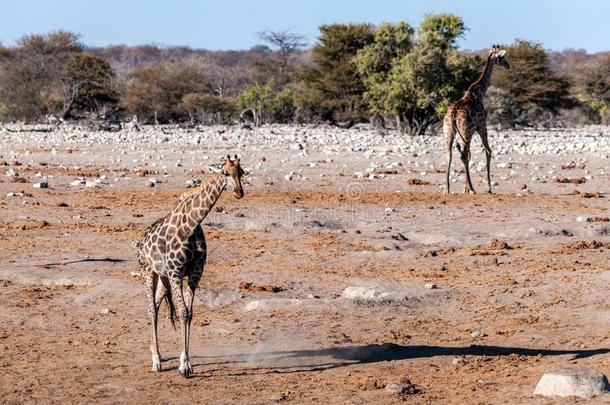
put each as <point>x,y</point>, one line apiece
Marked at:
<point>477,334</point>
<point>78,182</point>
<point>572,382</point>
<point>42,184</point>
<point>430,286</point>
<point>458,361</point>
<point>366,293</point>
<point>583,218</point>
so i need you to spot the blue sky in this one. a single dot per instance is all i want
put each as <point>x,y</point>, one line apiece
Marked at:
<point>233,24</point>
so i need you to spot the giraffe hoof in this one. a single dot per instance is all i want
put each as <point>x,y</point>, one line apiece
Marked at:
<point>187,372</point>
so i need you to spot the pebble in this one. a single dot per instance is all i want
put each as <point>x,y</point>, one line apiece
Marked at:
<point>458,361</point>
<point>583,218</point>
<point>42,184</point>
<point>477,334</point>
<point>431,286</point>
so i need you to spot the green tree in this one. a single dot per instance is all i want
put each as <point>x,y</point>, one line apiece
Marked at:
<point>330,87</point>
<point>282,106</point>
<point>531,82</point>
<point>416,79</point>
<point>256,101</point>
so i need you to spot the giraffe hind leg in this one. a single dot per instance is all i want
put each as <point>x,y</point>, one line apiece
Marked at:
<point>185,367</point>
<point>465,156</point>
<point>485,141</point>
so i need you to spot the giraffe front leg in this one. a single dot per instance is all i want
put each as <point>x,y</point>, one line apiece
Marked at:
<point>151,281</point>
<point>176,287</point>
<point>447,186</point>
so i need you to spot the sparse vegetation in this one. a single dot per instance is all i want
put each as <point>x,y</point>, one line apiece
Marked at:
<point>392,74</point>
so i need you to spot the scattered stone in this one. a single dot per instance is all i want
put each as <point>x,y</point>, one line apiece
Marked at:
<point>14,194</point>
<point>63,205</point>
<point>79,182</point>
<point>193,182</point>
<point>584,218</point>
<point>107,311</point>
<point>366,293</point>
<point>42,184</point>
<point>279,397</point>
<point>477,334</point>
<point>572,382</point>
<point>458,361</point>
<point>431,286</point>
<point>400,237</point>
<point>402,388</point>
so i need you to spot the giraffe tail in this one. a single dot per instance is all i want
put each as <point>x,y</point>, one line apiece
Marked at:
<point>172,308</point>
<point>455,129</point>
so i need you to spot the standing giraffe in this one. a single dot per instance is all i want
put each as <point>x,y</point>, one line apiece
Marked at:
<point>467,116</point>
<point>174,247</point>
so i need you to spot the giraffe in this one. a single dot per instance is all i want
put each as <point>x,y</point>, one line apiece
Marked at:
<point>467,116</point>
<point>174,247</point>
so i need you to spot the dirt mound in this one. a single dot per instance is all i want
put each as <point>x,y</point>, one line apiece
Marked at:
<point>570,180</point>
<point>581,245</point>
<point>418,182</point>
<point>497,244</point>
<point>247,286</point>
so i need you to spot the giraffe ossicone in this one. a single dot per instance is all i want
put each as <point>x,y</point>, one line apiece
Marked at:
<point>174,248</point>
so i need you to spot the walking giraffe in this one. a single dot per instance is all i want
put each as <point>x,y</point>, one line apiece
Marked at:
<point>174,247</point>
<point>467,116</point>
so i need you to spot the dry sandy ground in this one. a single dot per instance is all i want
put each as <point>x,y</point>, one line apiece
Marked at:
<point>73,319</point>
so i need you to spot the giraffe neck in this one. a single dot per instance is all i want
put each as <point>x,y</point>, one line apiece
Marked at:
<point>196,207</point>
<point>479,87</point>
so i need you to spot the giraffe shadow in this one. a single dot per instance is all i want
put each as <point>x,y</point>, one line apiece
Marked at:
<point>88,260</point>
<point>295,361</point>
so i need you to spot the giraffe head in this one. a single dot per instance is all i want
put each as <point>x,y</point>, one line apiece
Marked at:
<point>498,56</point>
<point>233,171</point>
